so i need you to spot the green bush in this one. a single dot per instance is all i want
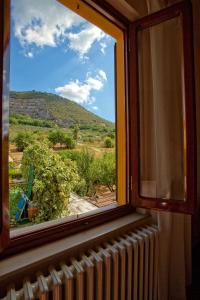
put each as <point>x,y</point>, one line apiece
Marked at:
<point>55,178</point>
<point>84,160</point>
<point>103,171</point>
<point>81,187</point>
<point>70,154</point>
<point>75,132</point>
<point>14,196</point>
<point>56,136</point>
<point>27,120</point>
<point>22,140</point>
<point>15,173</point>
<point>108,143</point>
<point>69,142</point>
<point>111,135</point>
<point>84,163</point>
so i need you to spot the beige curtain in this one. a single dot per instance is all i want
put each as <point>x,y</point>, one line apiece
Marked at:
<point>162,165</point>
<point>175,255</point>
<point>161,98</point>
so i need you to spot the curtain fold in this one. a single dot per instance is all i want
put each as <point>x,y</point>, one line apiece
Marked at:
<point>167,176</point>
<point>161,95</point>
<point>175,254</point>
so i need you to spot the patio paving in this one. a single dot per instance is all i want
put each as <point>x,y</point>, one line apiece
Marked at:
<point>78,205</point>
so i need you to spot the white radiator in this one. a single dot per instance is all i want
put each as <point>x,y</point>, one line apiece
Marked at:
<point>124,268</point>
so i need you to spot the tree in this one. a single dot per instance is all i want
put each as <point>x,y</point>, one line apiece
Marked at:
<point>54,179</point>
<point>69,142</point>
<point>56,136</point>
<point>22,140</point>
<point>84,160</point>
<point>75,132</point>
<point>108,142</point>
<point>103,171</point>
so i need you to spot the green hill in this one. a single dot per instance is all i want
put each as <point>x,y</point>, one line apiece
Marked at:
<point>50,107</point>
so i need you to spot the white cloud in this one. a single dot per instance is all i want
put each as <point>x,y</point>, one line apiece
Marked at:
<point>29,54</point>
<point>95,107</point>
<point>42,23</point>
<point>103,47</point>
<point>103,74</point>
<point>82,41</point>
<point>95,83</point>
<point>80,92</point>
<point>48,23</point>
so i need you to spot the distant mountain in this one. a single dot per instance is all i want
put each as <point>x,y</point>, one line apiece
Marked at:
<point>45,106</point>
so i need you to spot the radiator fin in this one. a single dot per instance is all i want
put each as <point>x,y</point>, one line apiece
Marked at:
<point>125,268</point>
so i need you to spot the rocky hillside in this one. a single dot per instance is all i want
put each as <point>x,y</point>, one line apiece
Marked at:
<point>44,106</point>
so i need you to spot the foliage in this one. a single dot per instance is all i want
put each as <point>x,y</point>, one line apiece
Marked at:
<point>108,143</point>
<point>92,170</point>
<point>75,132</point>
<point>22,140</point>
<point>55,178</point>
<point>70,154</point>
<point>111,134</point>
<point>69,142</point>
<point>15,173</point>
<point>81,188</point>
<point>56,136</point>
<point>84,160</point>
<point>27,120</point>
<point>103,171</point>
<point>14,196</point>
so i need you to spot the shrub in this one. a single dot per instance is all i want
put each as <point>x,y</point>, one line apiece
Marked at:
<point>56,136</point>
<point>27,120</point>
<point>14,196</point>
<point>108,143</point>
<point>84,160</point>
<point>69,142</point>
<point>111,135</point>
<point>81,187</point>
<point>84,163</point>
<point>54,179</point>
<point>15,173</point>
<point>75,132</point>
<point>103,171</point>
<point>22,140</point>
<point>70,154</point>
<point>13,121</point>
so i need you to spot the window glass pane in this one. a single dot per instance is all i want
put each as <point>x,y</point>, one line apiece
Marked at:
<point>62,158</point>
<point>161,108</point>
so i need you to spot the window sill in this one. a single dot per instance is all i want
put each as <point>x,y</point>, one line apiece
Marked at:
<point>26,263</point>
<point>37,235</point>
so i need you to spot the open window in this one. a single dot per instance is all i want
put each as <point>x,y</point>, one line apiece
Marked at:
<point>63,120</point>
<point>162,110</point>
<point>152,66</point>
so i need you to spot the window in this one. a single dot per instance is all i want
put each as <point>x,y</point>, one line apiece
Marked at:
<point>163,114</point>
<point>154,116</point>
<point>63,127</point>
<point>62,131</point>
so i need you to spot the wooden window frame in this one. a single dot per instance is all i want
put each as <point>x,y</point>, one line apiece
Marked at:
<point>184,10</point>
<point>63,227</point>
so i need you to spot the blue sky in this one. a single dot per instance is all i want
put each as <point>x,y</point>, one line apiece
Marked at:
<point>55,50</point>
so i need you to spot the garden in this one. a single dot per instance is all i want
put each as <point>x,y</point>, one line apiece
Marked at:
<point>47,164</point>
